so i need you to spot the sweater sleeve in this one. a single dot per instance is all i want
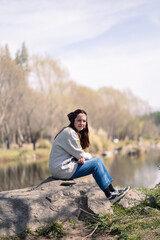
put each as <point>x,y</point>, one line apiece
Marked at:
<point>71,144</point>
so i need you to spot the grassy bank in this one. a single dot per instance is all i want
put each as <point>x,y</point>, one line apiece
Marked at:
<point>99,144</point>
<point>140,222</point>
<point>11,156</point>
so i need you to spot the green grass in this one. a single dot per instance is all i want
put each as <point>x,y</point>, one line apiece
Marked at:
<point>55,229</point>
<point>10,238</point>
<point>9,153</point>
<point>73,223</point>
<point>153,195</point>
<point>130,224</point>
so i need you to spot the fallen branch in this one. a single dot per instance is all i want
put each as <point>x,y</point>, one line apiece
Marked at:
<point>93,215</point>
<point>89,235</point>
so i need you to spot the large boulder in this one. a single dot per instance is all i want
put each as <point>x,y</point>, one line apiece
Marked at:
<point>52,200</point>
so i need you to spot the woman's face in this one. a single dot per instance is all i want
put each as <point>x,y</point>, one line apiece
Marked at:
<point>80,122</point>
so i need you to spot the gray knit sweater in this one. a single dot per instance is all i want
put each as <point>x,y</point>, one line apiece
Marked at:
<point>66,150</point>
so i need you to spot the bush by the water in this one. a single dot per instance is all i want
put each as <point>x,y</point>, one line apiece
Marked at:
<point>44,144</point>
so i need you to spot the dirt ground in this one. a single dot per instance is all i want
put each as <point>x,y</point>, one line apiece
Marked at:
<point>78,231</point>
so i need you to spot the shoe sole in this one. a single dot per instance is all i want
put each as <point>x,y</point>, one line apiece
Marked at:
<point>125,191</point>
<point>117,199</point>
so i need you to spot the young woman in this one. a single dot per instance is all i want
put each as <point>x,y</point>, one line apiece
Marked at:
<point>68,160</point>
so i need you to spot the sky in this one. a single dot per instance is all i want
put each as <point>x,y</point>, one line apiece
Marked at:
<point>104,43</point>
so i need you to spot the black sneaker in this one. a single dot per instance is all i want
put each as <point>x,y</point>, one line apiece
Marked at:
<point>124,190</point>
<point>115,197</point>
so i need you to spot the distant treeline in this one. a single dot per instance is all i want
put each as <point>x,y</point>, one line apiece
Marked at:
<point>37,93</point>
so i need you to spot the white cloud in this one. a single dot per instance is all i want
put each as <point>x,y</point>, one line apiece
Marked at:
<point>60,23</point>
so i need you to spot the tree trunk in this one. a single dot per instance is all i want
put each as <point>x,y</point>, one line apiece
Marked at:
<point>7,143</point>
<point>34,145</point>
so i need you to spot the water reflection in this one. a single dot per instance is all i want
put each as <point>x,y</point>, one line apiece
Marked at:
<point>136,172</point>
<point>23,175</point>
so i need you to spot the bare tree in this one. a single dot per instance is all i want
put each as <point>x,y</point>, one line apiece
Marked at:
<point>12,84</point>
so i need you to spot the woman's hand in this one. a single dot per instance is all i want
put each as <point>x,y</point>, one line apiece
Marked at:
<point>81,160</point>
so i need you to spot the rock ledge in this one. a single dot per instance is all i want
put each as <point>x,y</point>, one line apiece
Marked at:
<point>54,200</point>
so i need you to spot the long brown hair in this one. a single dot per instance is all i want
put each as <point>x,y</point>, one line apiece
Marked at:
<point>84,134</point>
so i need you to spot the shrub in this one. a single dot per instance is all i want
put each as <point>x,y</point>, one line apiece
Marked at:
<point>44,144</point>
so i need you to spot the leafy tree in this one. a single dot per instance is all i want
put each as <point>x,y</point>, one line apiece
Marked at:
<point>22,58</point>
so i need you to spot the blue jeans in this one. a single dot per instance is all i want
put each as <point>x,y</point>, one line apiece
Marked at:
<point>96,167</point>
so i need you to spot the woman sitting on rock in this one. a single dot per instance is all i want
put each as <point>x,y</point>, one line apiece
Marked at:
<point>68,160</point>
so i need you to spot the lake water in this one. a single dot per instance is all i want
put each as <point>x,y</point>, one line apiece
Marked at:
<point>136,172</point>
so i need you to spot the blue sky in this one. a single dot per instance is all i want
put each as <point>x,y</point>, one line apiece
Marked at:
<point>114,43</point>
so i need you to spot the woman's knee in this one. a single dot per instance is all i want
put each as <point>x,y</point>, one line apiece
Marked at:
<point>98,161</point>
